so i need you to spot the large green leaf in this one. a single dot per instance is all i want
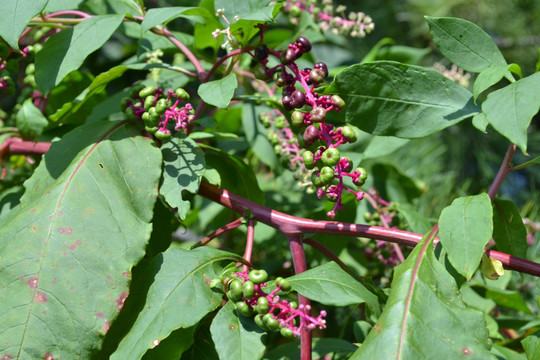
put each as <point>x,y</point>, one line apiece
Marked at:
<point>331,285</point>
<point>235,336</point>
<point>257,10</point>
<point>163,15</point>
<point>531,345</point>
<point>183,168</point>
<point>492,75</point>
<point>509,232</point>
<point>30,121</point>
<point>15,16</point>
<point>66,50</point>
<point>235,175</point>
<point>465,44</point>
<point>465,227</point>
<point>393,99</point>
<point>424,317</point>
<point>219,92</point>
<point>179,297</point>
<point>256,134</point>
<point>67,251</point>
<point>510,109</point>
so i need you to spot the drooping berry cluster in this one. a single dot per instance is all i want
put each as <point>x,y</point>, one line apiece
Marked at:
<point>355,24</point>
<point>159,110</point>
<point>272,313</point>
<point>309,119</point>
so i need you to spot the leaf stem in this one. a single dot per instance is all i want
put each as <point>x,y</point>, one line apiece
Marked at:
<point>230,226</point>
<point>504,170</point>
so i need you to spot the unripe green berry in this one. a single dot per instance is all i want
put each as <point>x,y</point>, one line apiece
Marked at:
<point>181,94</point>
<point>135,90</point>
<point>130,114</point>
<point>297,118</point>
<point>259,321</point>
<point>309,162</point>
<point>147,91</point>
<point>154,116</point>
<point>248,289</point>
<point>338,101</point>
<point>326,175</point>
<point>349,133</point>
<point>330,156</point>
<point>280,122</point>
<point>284,284</point>
<point>149,102</point>
<point>243,308</point>
<point>295,11</point>
<point>151,129</point>
<point>262,305</point>
<point>271,323</point>
<point>287,333</point>
<point>161,106</point>
<point>164,135</point>
<point>258,276</point>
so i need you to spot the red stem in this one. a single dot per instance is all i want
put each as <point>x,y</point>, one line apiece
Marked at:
<point>249,243</point>
<point>300,265</point>
<point>504,170</point>
<point>233,225</point>
<point>293,225</point>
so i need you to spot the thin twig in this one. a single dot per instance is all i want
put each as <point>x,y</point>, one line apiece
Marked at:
<point>230,226</point>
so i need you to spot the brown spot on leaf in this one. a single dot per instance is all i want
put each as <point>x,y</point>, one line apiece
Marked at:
<point>48,356</point>
<point>126,274</point>
<point>33,228</point>
<point>33,282</point>
<point>101,165</point>
<point>32,211</point>
<point>7,357</point>
<point>40,297</point>
<point>74,246</point>
<point>65,231</point>
<point>100,315</point>
<point>106,326</point>
<point>121,299</point>
<point>466,351</point>
<point>232,327</point>
<point>378,328</point>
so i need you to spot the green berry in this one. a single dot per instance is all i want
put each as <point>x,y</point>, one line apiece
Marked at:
<point>330,156</point>
<point>151,129</point>
<point>235,286</point>
<point>154,116</point>
<point>147,91</point>
<point>161,106</point>
<point>295,11</point>
<point>287,333</point>
<point>284,284</point>
<point>338,101</point>
<point>258,276</point>
<point>297,118</point>
<point>248,289</point>
<point>349,133</point>
<point>280,122</point>
<point>164,135</point>
<point>243,308</point>
<point>326,175</point>
<point>293,304</point>
<point>259,321</point>
<point>149,102</point>
<point>262,305</point>
<point>135,90</point>
<point>271,323</point>
<point>181,94</point>
<point>309,163</point>
<point>130,114</point>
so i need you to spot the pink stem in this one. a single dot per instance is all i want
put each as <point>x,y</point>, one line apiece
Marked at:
<point>249,243</point>
<point>233,225</point>
<point>300,265</point>
<point>504,170</point>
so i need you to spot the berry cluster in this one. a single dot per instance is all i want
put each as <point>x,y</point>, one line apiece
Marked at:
<point>308,119</point>
<point>271,312</point>
<point>159,110</point>
<point>355,24</point>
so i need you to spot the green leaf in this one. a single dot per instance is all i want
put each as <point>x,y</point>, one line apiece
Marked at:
<point>508,298</point>
<point>321,347</point>
<point>464,43</point>
<point>30,121</point>
<point>383,145</point>
<point>15,16</point>
<point>330,285</point>
<point>256,134</point>
<point>161,16</point>
<point>203,32</point>
<point>235,336</point>
<point>531,345</point>
<point>489,77</point>
<point>509,232</point>
<point>510,109</point>
<point>183,168</point>
<point>219,92</point>
<point>465,227</point>
<point>179,297</point>
<point>393,99</point>
<point>424,317</point>
<point>506,353</point>
<point>173,346</point>
<point>66,50</point>
<point>417,222</point>
<point>257,10</point>
<point>480,122</point>
<point>236,176</point>
<point>82,224</point>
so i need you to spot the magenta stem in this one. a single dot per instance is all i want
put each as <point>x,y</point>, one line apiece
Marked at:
<point>230,226</point>
<point>249,243</point>
<point>300,265</point>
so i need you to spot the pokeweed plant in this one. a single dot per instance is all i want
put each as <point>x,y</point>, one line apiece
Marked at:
<point>102,169</point>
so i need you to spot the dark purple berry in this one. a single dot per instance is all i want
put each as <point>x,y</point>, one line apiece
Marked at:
<point>311,134</point>
<point>288,56</point>
<point>298,99</point>
<point>261,52</point>
<point>305,45</point>
<point>286,100</point>
<point>323,67</point>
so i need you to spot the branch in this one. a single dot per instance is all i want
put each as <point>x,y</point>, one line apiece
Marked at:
<point>300,265</point>
<point>504,170</point>
<point>291,225</point>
